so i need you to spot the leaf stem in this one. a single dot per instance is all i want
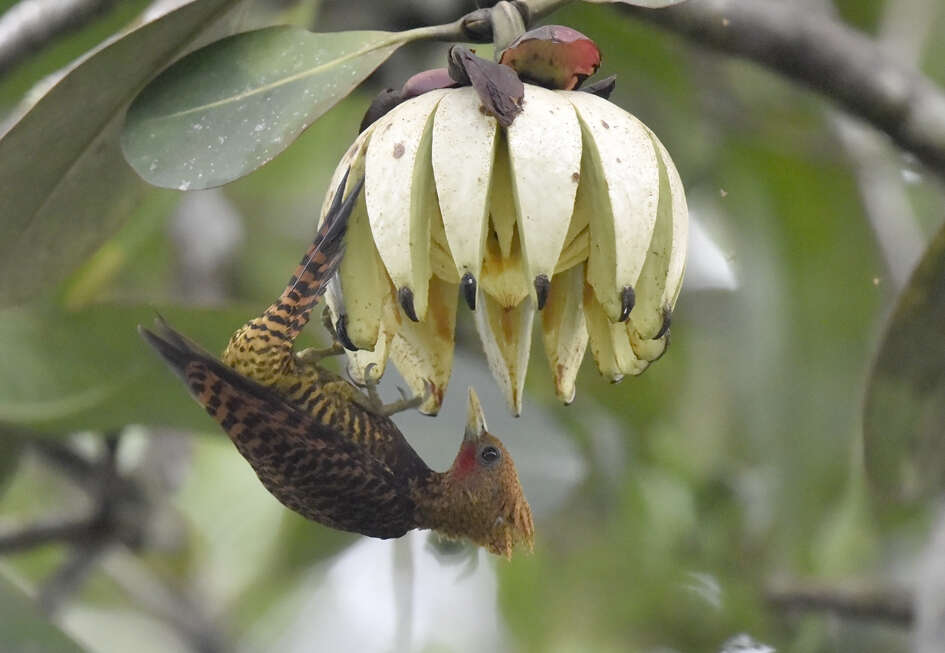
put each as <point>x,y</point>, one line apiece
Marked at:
<point>469,28</point>
<point>446,32</point>
<point>539,8</point>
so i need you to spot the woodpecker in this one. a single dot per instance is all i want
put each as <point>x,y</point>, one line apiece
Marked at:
<point>325,449</point>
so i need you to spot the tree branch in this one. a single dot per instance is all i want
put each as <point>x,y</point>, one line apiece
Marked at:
<point>183,611</point>
<point>70,576</point>
<point>903,30</point>
<point>890,605</point>
<point>30,24</point>
<point>825,55</point>
<point>64,530</point>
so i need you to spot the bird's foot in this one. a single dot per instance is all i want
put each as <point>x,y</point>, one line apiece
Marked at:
<point>406,402</point>
<point>373,402</point>
<point>312,356</point>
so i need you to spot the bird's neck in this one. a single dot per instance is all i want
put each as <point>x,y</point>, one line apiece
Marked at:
<point>442,504</point>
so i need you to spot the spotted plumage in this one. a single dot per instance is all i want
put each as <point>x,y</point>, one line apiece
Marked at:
<point>322,447</point>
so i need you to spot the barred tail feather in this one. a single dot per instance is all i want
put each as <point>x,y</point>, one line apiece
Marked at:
<point>263,348</point>
<point>319,264</point>
<point>187,359</point>
<point>218,387</point>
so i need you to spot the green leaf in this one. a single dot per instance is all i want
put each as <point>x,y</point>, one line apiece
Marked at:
<point>24,629</point>
<point>904,414</point>
<point>11,449</point>
<point>65,186</point>
<point>63,370</point>
<point>649,4</point>
<point>64,49</point>
<point>227,109</point>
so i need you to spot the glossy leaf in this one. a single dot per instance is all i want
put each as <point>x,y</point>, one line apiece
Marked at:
<point>24,628</point>
<point>65,186</point>
<point>904,414</point>
<point>65,371</point>
<point>227,109</point>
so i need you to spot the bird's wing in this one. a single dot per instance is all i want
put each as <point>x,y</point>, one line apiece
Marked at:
<point>309,468</point>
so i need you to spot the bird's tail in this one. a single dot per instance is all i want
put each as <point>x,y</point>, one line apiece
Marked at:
<point>197,368</point>
<point>320,262</point>
<point>263,347</point>
<point>236,403</point>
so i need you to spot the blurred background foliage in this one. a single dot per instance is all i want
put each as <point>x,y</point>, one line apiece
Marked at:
<point>704,499</point>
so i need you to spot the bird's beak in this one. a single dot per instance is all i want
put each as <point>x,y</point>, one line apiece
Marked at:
<point>475,420</point>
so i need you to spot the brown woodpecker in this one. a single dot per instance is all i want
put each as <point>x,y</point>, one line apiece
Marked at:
<point>326,450</point>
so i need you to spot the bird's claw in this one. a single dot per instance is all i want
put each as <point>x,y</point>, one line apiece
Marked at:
<point>370,384</point>
<point>337,340</point>
<point>372,402</point>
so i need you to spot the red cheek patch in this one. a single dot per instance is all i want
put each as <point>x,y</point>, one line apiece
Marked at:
<point>465,461</point>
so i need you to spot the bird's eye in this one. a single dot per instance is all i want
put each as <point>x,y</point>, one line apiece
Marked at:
<point>489,455</point>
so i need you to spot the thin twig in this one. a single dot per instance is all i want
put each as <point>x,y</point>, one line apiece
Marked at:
<point>70,576</point>
<point>176,607</point>
<point>76,467</point>
<point>890,605</point>
<point>59,531</point>
<point>476,26</point>
<point>81,471</point>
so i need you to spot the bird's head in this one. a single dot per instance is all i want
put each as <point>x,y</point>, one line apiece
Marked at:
<point>492,510</point>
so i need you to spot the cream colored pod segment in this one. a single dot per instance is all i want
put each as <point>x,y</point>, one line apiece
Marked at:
<point>389,250</point>
<point>360,299</point>
<point>521,183</point>
<point>637,219</point>
<point>463,151</point>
